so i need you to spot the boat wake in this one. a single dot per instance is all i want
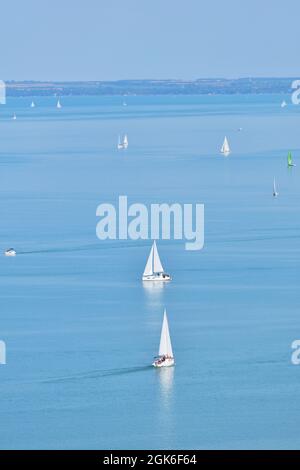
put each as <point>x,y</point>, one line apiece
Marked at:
<point>92,246</point>
<point>97,374</point>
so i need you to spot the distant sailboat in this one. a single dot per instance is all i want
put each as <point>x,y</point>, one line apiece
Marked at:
<point>283,104</point>
<point>275,192</point>
<point>32,104</point>
<point>124,103</point>
<point>10,252</point>
<point>58,105</point>
<point>290,160</point>
<point>14,117</point>
<point>165,355</point>
<point>225,149</point>
<point>154,270</point>
<point>123,144</point>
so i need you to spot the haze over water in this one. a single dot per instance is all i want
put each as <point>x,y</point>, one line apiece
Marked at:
<point>81,329</point>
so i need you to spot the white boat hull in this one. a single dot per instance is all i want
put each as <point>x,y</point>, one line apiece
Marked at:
<point>10,253</point>
<point>169,362</point>
<point>161,277</point>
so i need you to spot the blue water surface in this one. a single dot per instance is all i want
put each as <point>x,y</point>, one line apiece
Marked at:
<point>81,329</point>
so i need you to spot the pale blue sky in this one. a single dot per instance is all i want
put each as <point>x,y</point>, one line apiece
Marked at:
<point>119,39</point>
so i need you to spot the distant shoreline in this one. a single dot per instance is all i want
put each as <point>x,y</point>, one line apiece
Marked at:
<point>211,86</point>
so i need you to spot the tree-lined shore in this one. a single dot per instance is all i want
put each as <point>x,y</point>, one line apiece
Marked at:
<point>151,87</point>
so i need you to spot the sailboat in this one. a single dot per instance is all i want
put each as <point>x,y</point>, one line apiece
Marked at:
<point>10,252</point>
<point>120,144</point>
<point>275,192</point>
<point>32,104</point>
<point>14,117</point>
<point>58,105</point>
<point>283,104</point>
<point>154,270</point>
<point>165,355</point>
<point>290,160</point>
<point>123,144</point>
<point>225,149</point>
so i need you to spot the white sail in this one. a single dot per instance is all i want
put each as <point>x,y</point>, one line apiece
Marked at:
<point>58,104</point>
<point>32,104</point>
<point>153,264</point>
<point>149,266</point>
<point>14,117</point>
<point>275,193</point>
<point>225,147</point>
<point>157,266</point>
<point>165,346</point>
<point>123,144</point>
<point>283,104</point>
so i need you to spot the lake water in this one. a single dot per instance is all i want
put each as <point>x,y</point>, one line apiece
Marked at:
<point>81,329</point>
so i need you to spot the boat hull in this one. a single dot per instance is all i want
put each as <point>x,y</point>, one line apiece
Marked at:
<point>12,253</point>
<point>161,277</point>
<point>166,363</point>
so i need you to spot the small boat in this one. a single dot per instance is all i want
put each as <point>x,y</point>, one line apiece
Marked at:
<point>240,129</point>
<point>124,103</point>
<point>290,160</point>
<point>123,144</point>
<point>10,252</point>
<point>165,355</point>
<point>275,192</point>
<point>120,144</point>
<point>283,104</point>
<point>14,118</point>
<point>59,105</point>
<point>32,104</point>
<point>154,270</point>
<point>225,149</point>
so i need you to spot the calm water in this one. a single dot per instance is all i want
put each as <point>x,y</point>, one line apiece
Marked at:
<point>80,328</point>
